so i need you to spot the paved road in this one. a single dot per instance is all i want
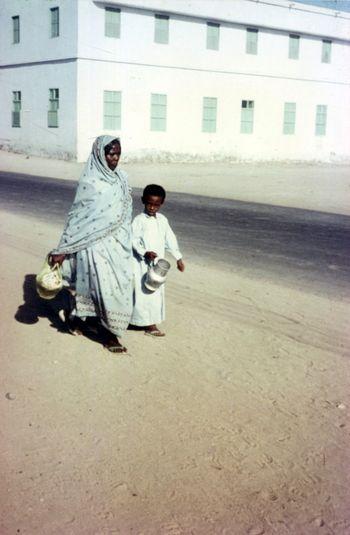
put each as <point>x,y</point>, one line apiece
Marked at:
<point>300,248</point>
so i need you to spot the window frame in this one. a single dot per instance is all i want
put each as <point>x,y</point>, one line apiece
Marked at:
<point>117,117</point>
<point>112,28</point>
<point>54,105</point>
<point>294,46</point>
<point>326,54</point>
<point>55,22</point>
<point>158,120</point>
<point>247,116</point>
<point>251,46</point>
<point>161,29</point>
<point>213,37</point>
<point>321,126</point>
<point>16,30</point>
<point>16,113</point>
<point>209,124</point>
<point>289,111</point>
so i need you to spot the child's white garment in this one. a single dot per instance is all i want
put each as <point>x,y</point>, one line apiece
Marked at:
<point>150,233</point>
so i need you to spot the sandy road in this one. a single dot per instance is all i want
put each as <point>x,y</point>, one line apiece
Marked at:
<point>236,423</point>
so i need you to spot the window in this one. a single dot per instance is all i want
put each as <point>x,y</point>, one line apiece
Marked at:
<point>326,51</point>
<point>112,101</point>
<point>112,22</point>
<point>289,118</point>
<point>247,116</point>
<point>52,114</point>
<point>294,46</point>
<point>158,112</point>
<point>16,109</point>
<point>161,29</point>
<point>15,30</point>
<point>321,120</point>
<point>252,41</point>
<point>55,22</point>
<point>209,114</point>
<point>213,34</point>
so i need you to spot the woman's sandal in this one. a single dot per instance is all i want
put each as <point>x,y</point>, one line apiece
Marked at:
<point>115,347</point>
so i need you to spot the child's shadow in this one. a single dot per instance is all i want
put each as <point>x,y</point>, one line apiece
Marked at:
<point>34,307</point>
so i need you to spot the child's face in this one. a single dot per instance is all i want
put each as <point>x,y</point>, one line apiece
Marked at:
<point>152,204</point>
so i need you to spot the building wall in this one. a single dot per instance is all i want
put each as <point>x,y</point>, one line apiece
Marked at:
<point>274,14</point>
<point>33,66</point>
<point>186,71</point>
<point>82,63</point>
<point>184,138</point>
<point>35,44</point>
<point>34,136</point>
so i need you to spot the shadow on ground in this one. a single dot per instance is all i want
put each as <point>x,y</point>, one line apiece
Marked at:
<point>34,307</point>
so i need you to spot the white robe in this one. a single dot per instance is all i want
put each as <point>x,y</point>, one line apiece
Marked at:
<point>150,233</point>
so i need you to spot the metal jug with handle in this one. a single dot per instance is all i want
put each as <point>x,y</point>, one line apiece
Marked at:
<point>156,274</point>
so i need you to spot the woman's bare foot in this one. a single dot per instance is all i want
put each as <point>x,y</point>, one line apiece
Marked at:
<point>152,330</point>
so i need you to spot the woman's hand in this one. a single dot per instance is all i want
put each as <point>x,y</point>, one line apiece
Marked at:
<point>150,256</point>
<point>180,265</point>
<point>57,259</point>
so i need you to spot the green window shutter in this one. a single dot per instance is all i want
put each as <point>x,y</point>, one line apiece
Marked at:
<point>209,114</point>
<point>16,109</point>
<point>55,21</point>
<point>161,29</point>
<point>112,22</point>
<point>326,51</point>
<point>294,46</point>
<point>112,103</point>
<point>321,120</point>
<point>247,116</point>
<point>252,41</point>
<point>52,114</point>
<point>213,35</point>
<point>289,118</point>
<point>15,30</point>
<point>158,112</point>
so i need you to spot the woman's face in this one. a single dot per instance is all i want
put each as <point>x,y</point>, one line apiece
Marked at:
<point>112,157</point>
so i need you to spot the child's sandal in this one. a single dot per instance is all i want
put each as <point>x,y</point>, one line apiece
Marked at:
<point>154,332</point>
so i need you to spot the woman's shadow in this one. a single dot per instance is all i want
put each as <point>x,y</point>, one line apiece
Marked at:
<point>34,307</point>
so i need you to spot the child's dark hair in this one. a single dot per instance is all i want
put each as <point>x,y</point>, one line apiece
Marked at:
<point>154,189</point>
<point>111,144</point>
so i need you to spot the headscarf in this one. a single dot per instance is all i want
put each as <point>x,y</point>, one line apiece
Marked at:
<point>102,202</point>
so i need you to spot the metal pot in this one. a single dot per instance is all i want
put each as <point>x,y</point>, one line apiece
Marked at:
<point>156,274</point>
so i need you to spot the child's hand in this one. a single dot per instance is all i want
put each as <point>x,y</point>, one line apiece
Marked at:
<point>150,256</point>
<point>180,265</point>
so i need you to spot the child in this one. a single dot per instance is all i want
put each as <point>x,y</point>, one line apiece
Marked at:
<point>152,236</point>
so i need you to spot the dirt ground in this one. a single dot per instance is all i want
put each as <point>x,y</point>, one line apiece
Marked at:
<point>237,422</point>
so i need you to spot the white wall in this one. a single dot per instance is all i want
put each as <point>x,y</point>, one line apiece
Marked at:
<point>187,44</point>
<point>279,14</point>
<point>34,136</point>
<point>186,72</point>
<point>35,29</point>
<point>34,80</point>
<point>185,93</point>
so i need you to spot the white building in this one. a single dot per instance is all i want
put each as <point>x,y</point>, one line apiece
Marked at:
<point>179,79</point>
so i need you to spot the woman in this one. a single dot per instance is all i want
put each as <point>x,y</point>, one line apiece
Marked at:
<point>95,247</point>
